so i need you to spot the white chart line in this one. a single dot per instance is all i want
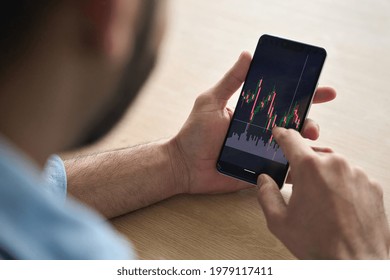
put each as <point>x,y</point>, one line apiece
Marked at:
<point>251,124</point>
<point>299,81</point>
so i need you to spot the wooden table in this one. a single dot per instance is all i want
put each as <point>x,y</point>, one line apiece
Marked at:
<point>203,40</point>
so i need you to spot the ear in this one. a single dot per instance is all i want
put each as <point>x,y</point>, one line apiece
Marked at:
<point>112,24</point>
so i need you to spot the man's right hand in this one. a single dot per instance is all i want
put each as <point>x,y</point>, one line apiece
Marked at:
<point>335,210</point>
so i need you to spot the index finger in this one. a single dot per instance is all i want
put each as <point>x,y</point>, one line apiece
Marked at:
<point>324,94</point>
<point>292,144</point>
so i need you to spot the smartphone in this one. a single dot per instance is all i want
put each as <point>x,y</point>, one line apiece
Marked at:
<point>278,91</point>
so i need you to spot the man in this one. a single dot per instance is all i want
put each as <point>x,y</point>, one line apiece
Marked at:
<point>69,69</point>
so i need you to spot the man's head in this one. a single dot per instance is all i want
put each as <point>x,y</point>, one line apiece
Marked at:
<point>70,69</point>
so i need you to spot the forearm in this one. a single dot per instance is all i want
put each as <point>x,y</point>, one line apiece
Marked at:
<point>120,181</point>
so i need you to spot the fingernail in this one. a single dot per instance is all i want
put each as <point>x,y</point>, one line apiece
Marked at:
<point>279,127</point>
<point>260,181</point>
<point>276,128</point>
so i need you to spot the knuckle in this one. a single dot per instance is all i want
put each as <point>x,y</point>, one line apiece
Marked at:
<point>377,188</point>
<point>310,161</point>
<point>202,100</point>
<point>359,173</point>
<point>339,162</point>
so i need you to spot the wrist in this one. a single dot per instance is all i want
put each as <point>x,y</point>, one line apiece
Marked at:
<point>178,167</point>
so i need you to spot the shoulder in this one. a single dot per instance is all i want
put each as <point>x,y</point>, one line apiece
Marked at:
<point>37,224</point>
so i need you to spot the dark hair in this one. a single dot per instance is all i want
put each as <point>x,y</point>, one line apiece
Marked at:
<point>19,20</point>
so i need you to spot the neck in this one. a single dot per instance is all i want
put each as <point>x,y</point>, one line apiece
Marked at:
<point>35,101</point>
<point>22,116</point>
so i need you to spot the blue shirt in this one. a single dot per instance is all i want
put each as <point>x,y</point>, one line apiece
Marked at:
<point>38,221</point>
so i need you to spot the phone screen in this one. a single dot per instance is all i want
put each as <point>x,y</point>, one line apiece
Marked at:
<point>278,91</point>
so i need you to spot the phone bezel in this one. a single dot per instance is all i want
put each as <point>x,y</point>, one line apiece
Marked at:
<point>241,173</point>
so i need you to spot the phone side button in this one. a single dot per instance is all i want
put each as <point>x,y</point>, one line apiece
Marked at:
<point>250,171</point>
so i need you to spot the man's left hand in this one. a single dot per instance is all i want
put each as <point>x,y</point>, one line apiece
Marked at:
<point>195,149</point>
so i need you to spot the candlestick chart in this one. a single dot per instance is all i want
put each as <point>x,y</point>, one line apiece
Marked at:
<point>260,109</point>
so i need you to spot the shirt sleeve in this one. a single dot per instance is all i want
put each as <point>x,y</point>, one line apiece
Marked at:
<point>54,173</point>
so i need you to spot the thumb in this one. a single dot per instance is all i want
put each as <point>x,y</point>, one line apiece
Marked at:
<point>233,78</point>
<point>271,201</point>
